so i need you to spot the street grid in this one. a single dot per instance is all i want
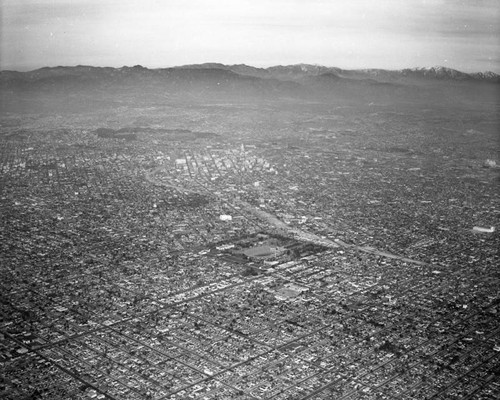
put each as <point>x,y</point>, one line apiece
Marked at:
<point>112,285</point>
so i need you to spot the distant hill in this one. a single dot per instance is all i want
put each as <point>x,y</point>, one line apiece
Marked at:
<point>194,78</point>
<point>296,72</point>
<point>299,71</point>
<point>88,86</point>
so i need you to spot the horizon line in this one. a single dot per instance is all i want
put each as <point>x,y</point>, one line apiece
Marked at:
<point>22,70</point>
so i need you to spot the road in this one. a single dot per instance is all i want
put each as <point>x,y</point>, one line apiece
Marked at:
<point>274,221</point>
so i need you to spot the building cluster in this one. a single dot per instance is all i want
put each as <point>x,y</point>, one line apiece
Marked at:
<point>136,270</point>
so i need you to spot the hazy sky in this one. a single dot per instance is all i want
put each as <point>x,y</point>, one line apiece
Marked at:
<point>461,34</point>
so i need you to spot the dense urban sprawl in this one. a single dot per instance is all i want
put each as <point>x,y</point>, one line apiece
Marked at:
<point>309,262</point>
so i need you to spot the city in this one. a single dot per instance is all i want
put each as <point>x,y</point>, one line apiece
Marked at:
<point>331,255</point>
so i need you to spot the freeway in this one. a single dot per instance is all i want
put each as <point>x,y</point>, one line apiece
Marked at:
<point>274,221</point>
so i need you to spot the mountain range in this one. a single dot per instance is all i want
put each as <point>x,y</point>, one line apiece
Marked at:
<point>294,72</point>
<point>241,82</point>
<point>284,73</point>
